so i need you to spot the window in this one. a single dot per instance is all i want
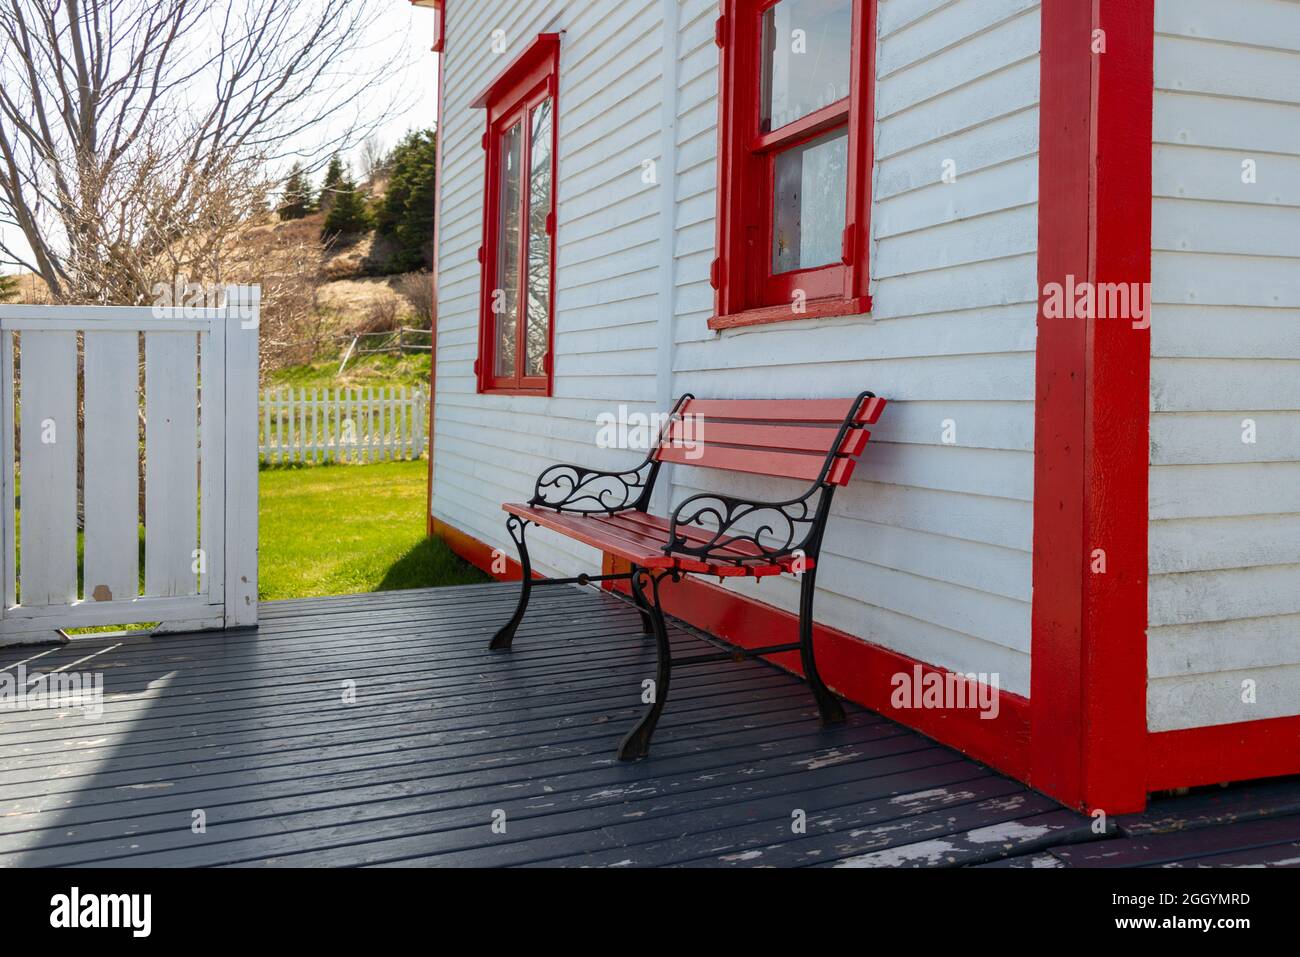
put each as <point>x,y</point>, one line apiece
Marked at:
<point>518,251</point>
<point>794,198</point>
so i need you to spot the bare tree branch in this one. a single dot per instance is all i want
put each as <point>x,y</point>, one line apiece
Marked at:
<point>136,136</point>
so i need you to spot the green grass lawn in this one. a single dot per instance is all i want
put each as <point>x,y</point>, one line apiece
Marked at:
<point>342,529</point>
<point>379,371</point>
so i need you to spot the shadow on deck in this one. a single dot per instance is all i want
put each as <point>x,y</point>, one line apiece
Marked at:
<point>250,733</point>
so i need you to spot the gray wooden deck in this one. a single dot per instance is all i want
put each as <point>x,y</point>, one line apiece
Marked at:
<point>252,730</point>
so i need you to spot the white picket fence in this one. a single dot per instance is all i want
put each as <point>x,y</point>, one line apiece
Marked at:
<point>342,425</point>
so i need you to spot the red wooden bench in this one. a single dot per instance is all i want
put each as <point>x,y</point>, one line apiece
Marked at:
<point>813,440</point>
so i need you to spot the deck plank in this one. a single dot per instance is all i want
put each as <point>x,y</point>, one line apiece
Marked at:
<point>1213,806</point>
<point>1275,855</point>
<point>1185,846</point>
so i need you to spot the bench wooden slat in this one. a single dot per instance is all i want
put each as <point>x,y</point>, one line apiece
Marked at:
<point>799,437</point>
<point>643,550</point>
<point>628,520</point>
<point>758,462</point>
<point>591,530</point>
<point>657,525</point>
<point>784,410</point>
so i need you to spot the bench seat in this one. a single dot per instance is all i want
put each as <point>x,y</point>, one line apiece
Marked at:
<point>639,538</point>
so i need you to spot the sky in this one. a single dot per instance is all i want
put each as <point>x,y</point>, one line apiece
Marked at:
<point>402,38</point>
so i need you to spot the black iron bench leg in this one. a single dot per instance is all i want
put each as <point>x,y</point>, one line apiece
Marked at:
<point>637,743</point>
<point>832,711</point>
<point>643,606</point>
<point>517,528</point>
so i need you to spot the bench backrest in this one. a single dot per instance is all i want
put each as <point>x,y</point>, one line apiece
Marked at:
<point>808,439</point>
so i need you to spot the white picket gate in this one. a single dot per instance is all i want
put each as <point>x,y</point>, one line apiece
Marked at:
<point>343,425</point>
<point>176,386</point>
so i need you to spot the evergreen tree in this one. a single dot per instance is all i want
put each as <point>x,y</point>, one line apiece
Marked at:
<point>405,215</point>
<point>336,174</point>
<point>8,288</point>
<point>349,212</point>
<point>296,202</point>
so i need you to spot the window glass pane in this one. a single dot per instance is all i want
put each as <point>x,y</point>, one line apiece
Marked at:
<point>807,52</point>
<point>539,243</point>
<point>505,297</point>
<point>811,192</point>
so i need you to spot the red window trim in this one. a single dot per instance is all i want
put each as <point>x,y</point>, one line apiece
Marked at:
<point>745,180</point>
<point>531,78</point>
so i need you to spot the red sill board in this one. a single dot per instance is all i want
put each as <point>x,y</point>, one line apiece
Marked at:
<point>475,552</point>
<point>816,309</point>
<point>1222,753</point>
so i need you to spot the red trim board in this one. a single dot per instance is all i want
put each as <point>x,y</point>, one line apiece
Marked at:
<point>439,21</point>
<point>533,62</point>
<point>437,235</point>
<point>1089,651</point>
<point>1222,753</point>
<point>478,554</point>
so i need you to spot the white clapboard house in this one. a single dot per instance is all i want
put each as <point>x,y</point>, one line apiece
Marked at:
<point>1062,238</point>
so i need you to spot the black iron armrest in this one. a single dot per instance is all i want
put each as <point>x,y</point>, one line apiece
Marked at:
<point>777,529</point>
<point>572,488</point>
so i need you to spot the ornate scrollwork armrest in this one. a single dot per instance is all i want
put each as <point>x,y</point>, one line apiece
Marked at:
<point>777,529</point>
<point>572,488</point>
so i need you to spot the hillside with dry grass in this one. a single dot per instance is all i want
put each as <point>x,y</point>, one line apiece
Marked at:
<point>325,290</point>
<point>30,289</point>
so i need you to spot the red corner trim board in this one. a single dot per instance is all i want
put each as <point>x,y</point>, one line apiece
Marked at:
<point>439,48</point>
<point>1088,663</point>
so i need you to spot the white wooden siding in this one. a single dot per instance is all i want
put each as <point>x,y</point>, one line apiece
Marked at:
<point>930,549</point>
<point>489,449</point>
<point>1225,514</point>
<point>929,552</point>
